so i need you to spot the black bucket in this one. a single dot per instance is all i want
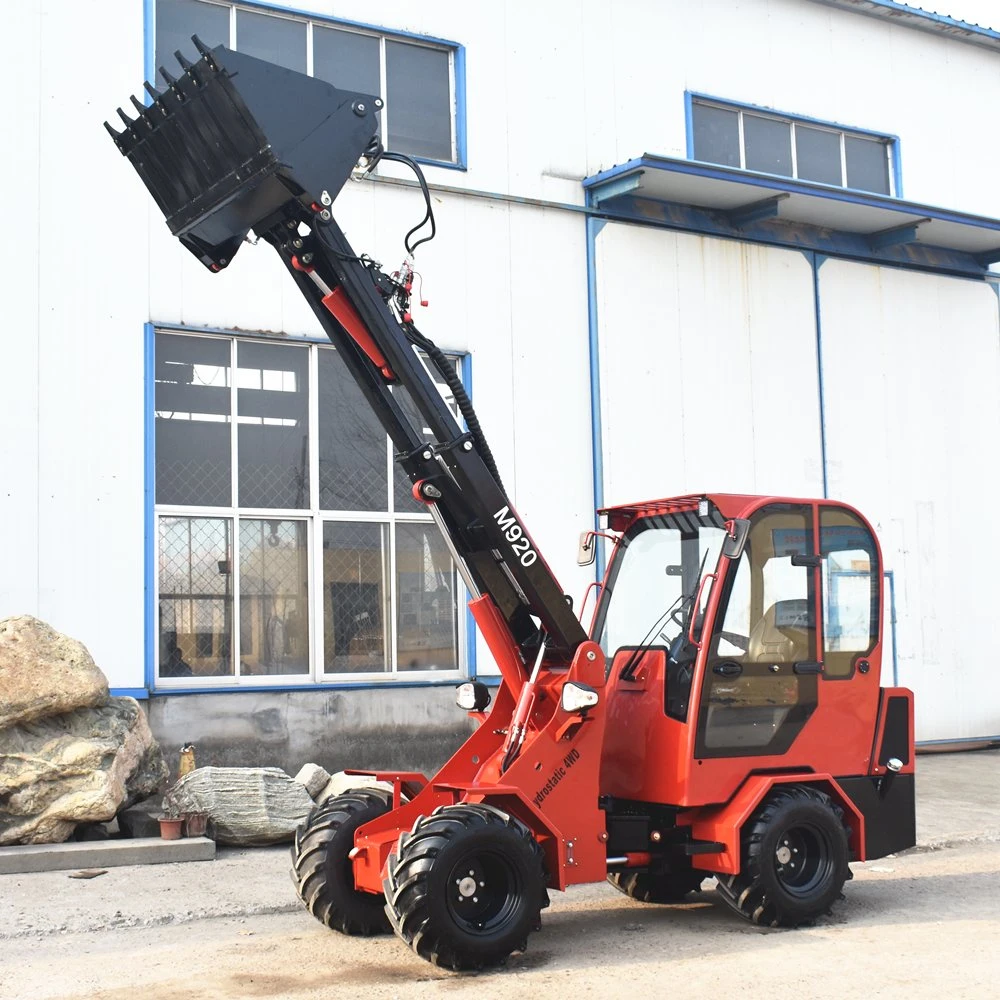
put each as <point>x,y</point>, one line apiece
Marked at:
<point>236,143</point>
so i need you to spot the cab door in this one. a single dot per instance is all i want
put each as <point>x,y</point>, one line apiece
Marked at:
<point>760,681</point>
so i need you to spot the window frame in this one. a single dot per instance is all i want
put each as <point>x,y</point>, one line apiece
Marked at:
<point>315,517</point>
<point>455,51</point>
<point>891,141</point>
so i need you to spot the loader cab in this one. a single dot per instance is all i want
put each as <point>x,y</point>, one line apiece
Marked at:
<point>718,657</point>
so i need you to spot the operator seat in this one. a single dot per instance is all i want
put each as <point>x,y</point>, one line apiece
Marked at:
<point>782,635</point>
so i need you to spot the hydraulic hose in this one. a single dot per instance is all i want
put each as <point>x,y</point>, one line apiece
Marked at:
<point>447,371</point>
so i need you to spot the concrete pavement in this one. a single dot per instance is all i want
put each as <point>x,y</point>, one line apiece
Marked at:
<point>958,801</point>
<point>958,798</point>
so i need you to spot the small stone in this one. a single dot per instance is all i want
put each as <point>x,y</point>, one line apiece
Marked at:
<point>342,782</point>
<point>314,778</point>
<point>89,873</point>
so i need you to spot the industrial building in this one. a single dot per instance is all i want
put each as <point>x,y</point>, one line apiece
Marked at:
<point>682,247</point>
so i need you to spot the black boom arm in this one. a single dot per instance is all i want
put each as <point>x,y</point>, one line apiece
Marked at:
<point>237,144</point>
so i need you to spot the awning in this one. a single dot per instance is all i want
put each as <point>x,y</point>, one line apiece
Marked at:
<point>724,201</point>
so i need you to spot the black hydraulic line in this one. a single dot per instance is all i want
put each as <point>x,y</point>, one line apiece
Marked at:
<point>448,373</point>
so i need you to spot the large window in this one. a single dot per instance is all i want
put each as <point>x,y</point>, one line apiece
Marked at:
<point>289,546</point>
<point>419,79</point>
<point>769,143</point>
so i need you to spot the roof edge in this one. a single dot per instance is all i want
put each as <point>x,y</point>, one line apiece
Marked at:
<point>907,15</point>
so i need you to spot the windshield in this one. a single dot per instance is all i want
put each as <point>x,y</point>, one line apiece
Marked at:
<point>654,579</point>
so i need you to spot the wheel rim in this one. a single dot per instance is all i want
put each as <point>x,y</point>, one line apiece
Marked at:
<point>483,893</point>
<point>803,859</point>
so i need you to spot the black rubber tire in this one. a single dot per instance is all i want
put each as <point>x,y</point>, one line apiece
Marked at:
<point>658,887</point>
<point>321,870</point>
<point>463,926</point>
<point>794,864</point>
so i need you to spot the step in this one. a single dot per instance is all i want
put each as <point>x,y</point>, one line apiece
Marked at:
<point>74,855</point>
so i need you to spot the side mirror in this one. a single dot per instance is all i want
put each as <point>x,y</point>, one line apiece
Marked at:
<point>735,541</point>
<point>577,697</point>
<point>587,552</point>
<point>472,696</point>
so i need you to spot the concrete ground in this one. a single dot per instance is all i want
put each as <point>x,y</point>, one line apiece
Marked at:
<point>924,924</point>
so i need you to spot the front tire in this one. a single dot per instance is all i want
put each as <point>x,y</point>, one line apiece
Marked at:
<point>466,886</point>
<point>794,864</point>
<point>323,873</point>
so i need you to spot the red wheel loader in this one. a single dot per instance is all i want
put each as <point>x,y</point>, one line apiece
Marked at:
<point>722,717</point>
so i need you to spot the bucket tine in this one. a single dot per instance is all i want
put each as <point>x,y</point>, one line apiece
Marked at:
<point>236,143</point>
<point>137,104</point>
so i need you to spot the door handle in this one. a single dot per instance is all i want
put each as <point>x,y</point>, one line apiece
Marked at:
<point>727,669</point>
<point>808,667</point>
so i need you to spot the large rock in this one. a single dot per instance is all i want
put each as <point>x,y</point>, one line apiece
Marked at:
<point>248,805</point>
<point>43,672</point>
<point>79,767</point>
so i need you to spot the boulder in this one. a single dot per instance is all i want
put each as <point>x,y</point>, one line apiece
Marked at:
<point>249,806</point>
<point>78,767</point>
<point>43,672</point>
<point>313,778</point>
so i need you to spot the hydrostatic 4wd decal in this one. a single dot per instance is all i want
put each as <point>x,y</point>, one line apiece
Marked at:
<point>517,536</point>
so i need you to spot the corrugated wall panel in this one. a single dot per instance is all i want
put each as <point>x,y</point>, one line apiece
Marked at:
<point>93,287</point>
<point>20,73</point>
<point>911,366</point>
<point>708,367</point>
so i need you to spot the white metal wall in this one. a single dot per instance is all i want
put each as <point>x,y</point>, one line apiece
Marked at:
<point>911,365</point>
<point>708,367</point>
<point>74,269</point>
<point>556,91</point>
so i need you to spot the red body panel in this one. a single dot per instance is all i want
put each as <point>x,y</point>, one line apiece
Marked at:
<point>552,786</point>
<point>723,823</point>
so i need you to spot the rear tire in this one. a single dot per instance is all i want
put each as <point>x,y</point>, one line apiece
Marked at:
<point>794,863</point>
<point>323,874</point>
<point>662,887</point>
<point>466,886</point>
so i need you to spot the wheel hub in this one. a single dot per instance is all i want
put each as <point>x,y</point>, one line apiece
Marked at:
<point>467,886</point>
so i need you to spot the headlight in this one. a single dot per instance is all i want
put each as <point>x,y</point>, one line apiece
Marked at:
<point>472,696</point>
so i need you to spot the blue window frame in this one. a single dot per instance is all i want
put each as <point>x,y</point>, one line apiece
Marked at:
<point>421,78</point>
<point>349,584</point>
<point>761,140</point>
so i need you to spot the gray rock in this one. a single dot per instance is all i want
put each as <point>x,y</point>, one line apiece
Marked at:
<point>43,672</point>
<point>313,777</point>
<point>77,767</point>
<point>247,805</point>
